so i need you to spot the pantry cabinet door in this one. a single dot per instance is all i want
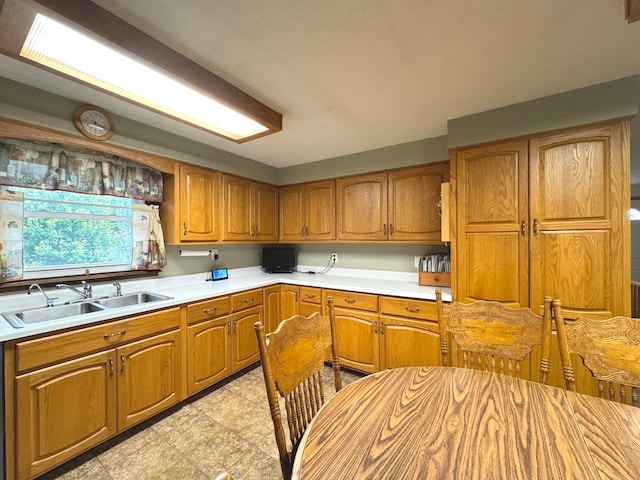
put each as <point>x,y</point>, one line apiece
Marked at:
<point>491,252</point>
<point>580,239</point>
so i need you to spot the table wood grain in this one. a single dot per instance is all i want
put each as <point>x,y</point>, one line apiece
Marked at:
<point>451,423</point>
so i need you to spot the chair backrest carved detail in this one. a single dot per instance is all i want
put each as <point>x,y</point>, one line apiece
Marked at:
<point>492,336</point>
<point>609,348</point>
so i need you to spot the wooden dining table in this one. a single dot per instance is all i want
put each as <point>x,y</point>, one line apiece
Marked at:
<point>454,423</point>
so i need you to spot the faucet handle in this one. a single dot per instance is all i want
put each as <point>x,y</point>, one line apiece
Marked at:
<point>118,289</point>
<point>86,288</point>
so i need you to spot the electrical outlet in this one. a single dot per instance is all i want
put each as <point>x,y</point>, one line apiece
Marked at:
<point>214,253</point>
<point>334,257</point>
<point>416,262</point>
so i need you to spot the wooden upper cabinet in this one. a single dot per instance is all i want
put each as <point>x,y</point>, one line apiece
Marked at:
<point>307,212</point>
<point>413,212</point>
<point>250,210</point>
<point>362,207</point>
<point>190,207</point>
<point>399,205</point>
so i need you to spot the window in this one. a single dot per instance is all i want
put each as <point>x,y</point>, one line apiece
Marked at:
<point>66,233</point>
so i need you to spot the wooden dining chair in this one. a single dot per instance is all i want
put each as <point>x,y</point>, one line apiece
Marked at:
<point>488,335</point>
<point>609,348</point>
<point>293,358</point>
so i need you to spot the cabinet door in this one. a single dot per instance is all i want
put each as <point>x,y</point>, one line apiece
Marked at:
<point>265,213</point>
<point>407,343</point>
<point>413,202</point>
<point>148,377</point>
<point>580,243</point>
<point>244,347</point>
<point>272,308</point>
<point>320,211</point>
<point>198,204</point>
<point>289,305</point>
<point>362,207</point>
<point>357,338</point>
<point>64,410</point>
<point>292,213</point>
<point>237,208</point>
<point>490,248</point>
<point>209,356</point>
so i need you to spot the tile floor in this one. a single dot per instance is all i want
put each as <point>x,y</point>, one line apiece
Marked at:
<point>228,426</point>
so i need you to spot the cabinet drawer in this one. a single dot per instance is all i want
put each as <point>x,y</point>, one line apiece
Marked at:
<point>55,348</point>
<point>359,301</point>
<point>310,295</point>
<point>247,299</point>
<point>405,307</point>
<point>208,309</point>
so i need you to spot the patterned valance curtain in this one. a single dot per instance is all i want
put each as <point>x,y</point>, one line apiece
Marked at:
<point>148,240</point>
<point>11,224</point>
<point>56,167</point>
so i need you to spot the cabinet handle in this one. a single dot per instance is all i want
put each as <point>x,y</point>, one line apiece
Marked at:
<point>384,228</point>
<point>247,300</point>
<point>382,329</point>
<point>122,361</point>
<point>117,334</point>
<point>412,309</point>
<point>523,228</point>
<point>310,295</point>
<point>535,226</point>
<point>375,328</point>
<point>306,231</point>
<point>350,300</point>
<point>184,228</point>
<point>234,326</point>
<point>229,328</point>
<point>210,310</point>
<point>111,366</point>
<point>391,229</point>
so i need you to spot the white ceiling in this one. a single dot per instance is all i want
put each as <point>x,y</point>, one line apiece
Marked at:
<point>355,75</point>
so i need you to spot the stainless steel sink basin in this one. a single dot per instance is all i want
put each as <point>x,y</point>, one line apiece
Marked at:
<point>131,299</point>
<point>20,318</point>
<point>47,314</point>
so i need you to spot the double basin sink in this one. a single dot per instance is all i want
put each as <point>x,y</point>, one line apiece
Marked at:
<point>21,318</point>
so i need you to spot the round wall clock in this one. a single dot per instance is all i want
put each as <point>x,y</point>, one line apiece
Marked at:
<point>93,122</point>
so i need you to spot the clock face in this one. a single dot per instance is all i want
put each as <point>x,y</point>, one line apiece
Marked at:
<point>93,123</point>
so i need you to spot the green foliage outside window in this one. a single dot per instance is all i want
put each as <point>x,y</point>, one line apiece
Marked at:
<point>67,229</point>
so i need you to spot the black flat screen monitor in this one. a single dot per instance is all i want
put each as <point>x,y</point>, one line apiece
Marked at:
<point>278,259</point>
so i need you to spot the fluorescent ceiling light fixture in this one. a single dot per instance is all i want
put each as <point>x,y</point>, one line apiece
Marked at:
<point>57,46</point>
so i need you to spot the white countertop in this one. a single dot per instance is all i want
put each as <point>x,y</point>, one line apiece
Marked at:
<point>191,288</point>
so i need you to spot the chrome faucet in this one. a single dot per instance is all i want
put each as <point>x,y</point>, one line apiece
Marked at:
<point>49,299</point>
<point>86,293</point>
<point>118,289</point>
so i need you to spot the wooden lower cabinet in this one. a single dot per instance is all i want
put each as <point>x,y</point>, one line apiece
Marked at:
<point>64,410</point>
<point>272,308</point>
<point>289,300</point>
<point>244,346</point>
<point>357,337</point>
<point>209,353</point>
<point>67,408</point>
<point>408,343</point>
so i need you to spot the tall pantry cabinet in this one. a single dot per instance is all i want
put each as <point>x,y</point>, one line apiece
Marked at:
<point>545,215</point>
